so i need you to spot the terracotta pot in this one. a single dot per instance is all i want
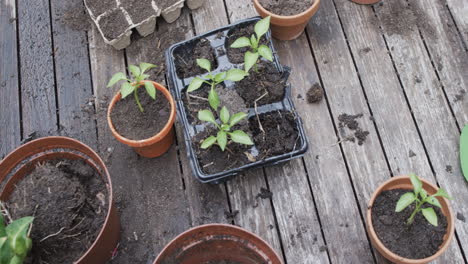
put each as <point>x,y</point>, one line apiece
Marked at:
<point>288,27</point>
<point>217,242</point>
<point>403,182</point>
<point>156,145</point>
<point>366,2</point>
<point>24,159</point>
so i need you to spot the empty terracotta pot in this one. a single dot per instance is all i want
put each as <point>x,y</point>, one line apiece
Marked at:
<point>403,182</point>
<point>288,27</point>
<point>156,145</point>
<point>24,159</point>
<point>366,2</point>
<point>216,243</point>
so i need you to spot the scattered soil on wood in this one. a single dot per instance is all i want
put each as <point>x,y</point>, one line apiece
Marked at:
<point>460,96</point>
<point>417,241</point>
<point>131,123</point>
<point>186,59</point>
<point>286,8</point>
<point>68,200</point>
<point>411,154</point>
<point>113,24</point>
<point>267,82</point>
<point>236,55</point>
<point>350,122</point>
<point>279,134</point>
<point>461,217</point>
<point>264,194</point>
<point>315,94</point>
<point>77,18</point>
<point>101,6</point>
<point>139,10</point>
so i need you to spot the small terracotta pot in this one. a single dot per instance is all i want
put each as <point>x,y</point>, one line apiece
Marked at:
<point>403,182</point>
<point>24,159</point>
<point>288,27</point>
<point>156,145</point>
<point>366,2</point>
<point>215,243</point>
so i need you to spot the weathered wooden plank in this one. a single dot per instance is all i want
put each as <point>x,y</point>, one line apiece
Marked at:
<point>432,113</point>
<point>10,133</point>
<point>72,73</point>
<point>459,9</point>
<point>37,68</point>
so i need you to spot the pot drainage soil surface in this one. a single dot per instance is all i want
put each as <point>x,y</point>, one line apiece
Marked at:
<point>286,8</point>
<point>68,200</point>
<point>417,241</point>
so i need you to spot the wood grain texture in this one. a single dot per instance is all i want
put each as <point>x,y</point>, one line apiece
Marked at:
<point>10,133</point>
<point>459,9</point>
<point>37,68</point>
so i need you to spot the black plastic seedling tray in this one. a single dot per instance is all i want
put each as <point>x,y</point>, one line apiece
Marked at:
<point>217,40</point>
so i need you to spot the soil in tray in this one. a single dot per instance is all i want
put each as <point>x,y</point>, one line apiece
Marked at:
<point>267,84</point>
<point>139,10</point>
<point>68,200</point>
<point>163,4</point>
<point>133,124</point>
<point>101,6</point>
<point>275,133</point>
<point>286,8</point>
<point>186,58</point>
<point>417,241</point>
<point>236,55</point>
<point>113,24</point>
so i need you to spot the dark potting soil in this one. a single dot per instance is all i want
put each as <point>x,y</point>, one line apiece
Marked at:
<point>267,82</point>
<point>133,124</point>
<point>186,59</point>
<point>286,8</point>
<point>113,24</point>
<point>139,10</point>
<point>236,55</point>
<point>68,200</point>
<point>101,6</point>
<point>350,121</point>
<point>417,241</point>
<point>315,94</point>
<point>279,134</point>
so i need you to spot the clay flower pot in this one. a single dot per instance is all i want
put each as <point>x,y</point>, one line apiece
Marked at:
<point>366,2</point>
<point>156,145</point>
<point>24,159</point>
<point>403,182</point>
<point>214,243</point>
<point>288,27</point>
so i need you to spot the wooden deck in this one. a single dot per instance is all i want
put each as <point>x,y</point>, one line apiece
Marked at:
<point>402,64</point>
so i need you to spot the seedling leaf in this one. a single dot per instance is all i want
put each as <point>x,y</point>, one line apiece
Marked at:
<point>146,66</point>
<point>222,140</point>
<point>430,215</point>
<point>416,182</point>
<point>250,60</point>
<point>224,115</point>
<point>134,70</point>
<point>464,152</point>
<point>404,201</point>
<point>432,200</point>
<point>204,64</point>
<point>236,118</point>
<point>195,84</point>
<point>254,42</point>
<point>265,52</point>
<point>423,194</point>
<point>2,227</point>
<point>262,27</point>
<point>116,78</point>
<point>442,193</point>
<point>241,43</point>
<point>208,142</point>
<point>207,116</point>
<point>241,137</point>
<point>126,89</point>
<point>150,89</point>
<point>220,77</point>
<point>213,99</point>
<point>235,75</point>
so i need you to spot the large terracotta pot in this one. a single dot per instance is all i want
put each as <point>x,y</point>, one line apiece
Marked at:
<point>403,182</point>
<point>24,159</point>
<point>288,27</point>
<point>217,242</point>
<point>156,145</point>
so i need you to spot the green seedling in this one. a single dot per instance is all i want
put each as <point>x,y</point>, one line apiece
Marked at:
<point>132,84</point>
<point>224,129</point>
<point>420,197</point>
<point>464,152</point>
<point>251,56</point>
<point>15,242</point>
<point>234,75</point>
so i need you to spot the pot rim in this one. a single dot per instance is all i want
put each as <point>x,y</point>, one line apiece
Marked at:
<point>379,245</point>
<point>293,17</point>
<point>151,140</point>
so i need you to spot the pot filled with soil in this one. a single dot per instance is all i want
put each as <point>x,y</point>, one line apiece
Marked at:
<point>145,123</point>
<point>217,243</point>
<point>288,18</point>
<point>65,187</point>
<point>409,220</point>
<point>234,101</point>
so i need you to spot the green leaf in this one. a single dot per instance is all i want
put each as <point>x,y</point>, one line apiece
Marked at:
<point>241,43</point>
<point>236,75</point>
<point>464,151</point>
<point>416,182</point>
<point>262,27</point>
<point>126,89</point>
<point>207,116</point>
<point>220,77</point>
<point>144,76</point>
<point>204,64</point>
<point>432,200</point>
<point>116,78</point>
<point>404,201</point>
<point>430,215</point>
<point>222,140</point>
<point>236,118</point>
<point>254,42</point>
<point>149,86</point>
<point>442,193</point>
<point>250,59</point>
<point>224,115</point>
<point>195,84</point>
<point>2,227</point>
<point>241,137</point>
<point>16,260</point>
<point>17,234</point>
<point>423,194</point>
<point>208,142</point>
<point>134,70</point>
<point>265,52</point>
<point>146,66</point>
<point>213,99</point>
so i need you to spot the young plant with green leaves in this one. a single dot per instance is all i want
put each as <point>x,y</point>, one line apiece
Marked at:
<point>421,197</point>
<point>15,242</point>
<point>256,50</point>
<point>464,152</point>
<point>224,129</point>
<point>234,75</point>
<point>132,84</point>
